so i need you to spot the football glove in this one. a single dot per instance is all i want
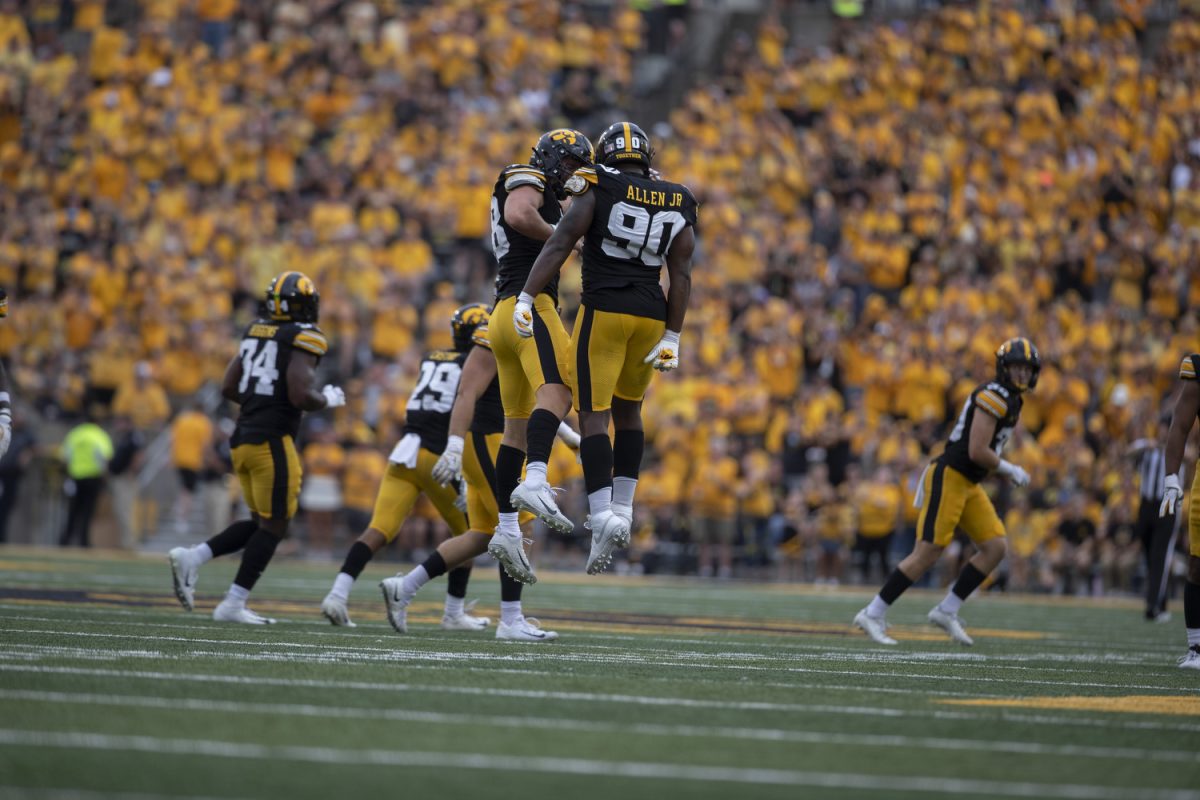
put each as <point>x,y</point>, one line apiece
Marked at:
<point>523,316</point>
<point>1171,494</point>
<point>449,465</point>
<point>665,355</point>
<point>1015,474</point>
<point>334,396</point>
<point>570,437</point>
<point>460,499</point>
<point>5,431</point>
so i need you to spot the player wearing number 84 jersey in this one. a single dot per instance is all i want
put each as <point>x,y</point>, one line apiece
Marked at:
<point>273,379</point>
<point>632,226</point>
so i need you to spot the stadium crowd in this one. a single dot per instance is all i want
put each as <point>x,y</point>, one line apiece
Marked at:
<point>877,217</point>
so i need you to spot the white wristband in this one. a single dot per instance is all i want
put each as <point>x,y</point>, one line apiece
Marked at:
<point>454,443</point>
<point>525,297</point>
<point>1005,468</point>
<point>671,336</point>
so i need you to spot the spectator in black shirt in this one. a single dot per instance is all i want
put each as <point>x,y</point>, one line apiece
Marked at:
<point>128,453</point>
<point>15,461</point>
<point>1077,539</point>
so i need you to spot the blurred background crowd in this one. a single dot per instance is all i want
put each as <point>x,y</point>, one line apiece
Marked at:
<point>882,203</point>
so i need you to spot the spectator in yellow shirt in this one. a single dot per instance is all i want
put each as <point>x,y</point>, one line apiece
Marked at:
<point>714,508</point>
<point>878,501</point>
<point>191,437</point>
<point>142,400</point>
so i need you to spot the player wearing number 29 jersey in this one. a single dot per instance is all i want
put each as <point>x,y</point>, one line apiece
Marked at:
<point>272,378</point>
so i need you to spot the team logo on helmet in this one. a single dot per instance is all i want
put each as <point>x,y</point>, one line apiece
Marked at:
<point>1018,350</point>
<point>466,320</point>
<point>558,153</point>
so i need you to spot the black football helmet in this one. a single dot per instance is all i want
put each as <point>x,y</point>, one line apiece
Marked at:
<point>625,143</point>
<point>558,153</point>
<point>292,297</point>
<point>3,302</point>
<point>1018,350</point>
<point>464,323</point>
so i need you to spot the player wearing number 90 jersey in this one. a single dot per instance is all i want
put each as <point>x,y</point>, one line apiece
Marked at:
<point>632,226</point>
<point>272,378</point>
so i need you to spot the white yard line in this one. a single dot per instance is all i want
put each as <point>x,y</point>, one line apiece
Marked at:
<point>328,653</point>
<point>637,700</point>
<point>576,766</point>
<point>798,736</point>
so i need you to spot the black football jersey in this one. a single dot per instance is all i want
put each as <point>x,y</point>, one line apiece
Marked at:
<point>489,412</point>
<point>993,398</point>
<point>624,250</point>
<point>515,252</point>
<point>266,352</point>
<point>432,399</point>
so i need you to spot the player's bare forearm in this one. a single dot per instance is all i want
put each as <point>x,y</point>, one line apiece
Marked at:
<point>1186,408</point>
<point>679,270</point>
<point>302,383</point>
<point>478,371</point>
<point>522,210</point>
<point>233,376</point>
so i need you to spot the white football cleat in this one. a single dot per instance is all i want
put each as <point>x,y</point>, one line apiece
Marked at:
<point>525,629</point>
<point>608,533</point>
<point>1190,661</point>
<point>951,624</point>
<point>184,572</point>
<point>396,601</point>
<point>875,627</point>
<point>465,621</point>
<point>334,609</point>
<point>509,550</point>
<point>541,503</point>
<point>228,612</point>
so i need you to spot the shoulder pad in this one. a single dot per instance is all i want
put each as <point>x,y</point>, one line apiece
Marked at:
<point>991,401</point>
<point>516,175</point>
<point>442,355</point>
<point>999,389</point>
<point>578,184</point>
<point>310,339</point>
<point>587,175</point>
<point>1189,368</point>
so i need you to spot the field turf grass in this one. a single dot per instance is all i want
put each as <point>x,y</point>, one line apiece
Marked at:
<point>657,688</point>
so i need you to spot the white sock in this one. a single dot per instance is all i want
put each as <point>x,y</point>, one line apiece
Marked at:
<point>237,595</point>
<point>600,500</point>
<point>623,489</point>
<point>877,608</point>
<point>414,580</point>
<point>510,523</point>
<point>454,606</point>
<point>1193,637</point>
<point>535,473</point>
<point>951,603</point>
<point>203,553</point>
<point>341,586</point>
<point>510,611</point>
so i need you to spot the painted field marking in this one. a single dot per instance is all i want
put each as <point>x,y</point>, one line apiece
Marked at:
<point>1187,706</point>
<point>798,736</point>
<point>78,740</point>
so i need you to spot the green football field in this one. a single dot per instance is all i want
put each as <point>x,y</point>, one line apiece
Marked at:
<point>656,688</point>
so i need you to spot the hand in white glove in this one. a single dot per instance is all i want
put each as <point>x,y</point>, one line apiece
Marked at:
<point>449,464</point>
<point>334,396</point>
<point>665,355</point>
<point>1015,474</point>
<point>523,315</point>
<point>1171,494</point>
<point>5,433</point>
<point>569,436</point>
<point>460,500</point>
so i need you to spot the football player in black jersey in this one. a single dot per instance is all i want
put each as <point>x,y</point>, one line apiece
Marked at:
<point>476,427</point>
<point>1187,407</point>
<point>273,380</point>
<point>534,371</point>
<point>950,496</point>
<point>410,474</point>
<point>632,224</point>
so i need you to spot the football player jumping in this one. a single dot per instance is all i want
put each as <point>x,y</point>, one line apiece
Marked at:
<point>632,224</point>
<point>273,380</point>
<point>950,496</point>
<point>1187,406</point>
<point>533,372</point>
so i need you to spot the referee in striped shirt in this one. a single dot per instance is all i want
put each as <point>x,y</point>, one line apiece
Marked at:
<point>1157,533</point>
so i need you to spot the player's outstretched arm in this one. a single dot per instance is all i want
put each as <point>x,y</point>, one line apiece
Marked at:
<point>478,371</point>
<point>573,226</point>
<point>302,383</point>
<point>1186,407</point>
<point>679,270</point>
<point>233,377</point>
<point>522,210</point>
